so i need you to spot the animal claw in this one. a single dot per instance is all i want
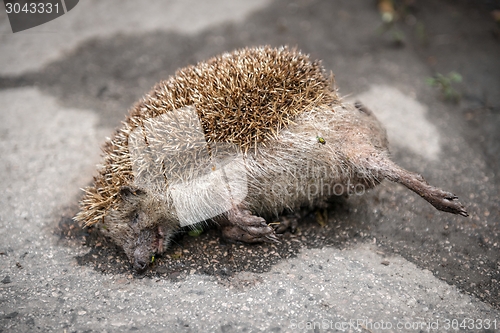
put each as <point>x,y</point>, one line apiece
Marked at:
<point>273,238</point>
<point>445,201</point>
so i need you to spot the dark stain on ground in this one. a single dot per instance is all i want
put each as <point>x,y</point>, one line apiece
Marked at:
<point>108,75</point>
<point>210,254</point>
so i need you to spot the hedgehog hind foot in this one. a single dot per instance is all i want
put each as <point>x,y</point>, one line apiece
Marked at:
<point>441,200</point>
<point>444,201</point>
<point>242,226</point>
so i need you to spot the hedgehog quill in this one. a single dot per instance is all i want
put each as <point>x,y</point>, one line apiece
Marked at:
<point>256,132</point>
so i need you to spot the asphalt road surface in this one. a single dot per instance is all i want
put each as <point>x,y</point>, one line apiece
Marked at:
<point>382,262</point>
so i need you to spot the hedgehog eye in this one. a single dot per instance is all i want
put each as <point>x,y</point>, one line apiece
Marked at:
<point>135,218</point>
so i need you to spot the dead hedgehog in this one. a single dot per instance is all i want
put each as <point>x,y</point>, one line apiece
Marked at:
<point>247,134</point>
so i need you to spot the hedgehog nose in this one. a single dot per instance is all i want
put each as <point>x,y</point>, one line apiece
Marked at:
<point>140,265</point>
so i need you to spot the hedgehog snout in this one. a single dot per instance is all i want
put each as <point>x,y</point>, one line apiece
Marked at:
<point>146,246</point>
<point>140,264</point>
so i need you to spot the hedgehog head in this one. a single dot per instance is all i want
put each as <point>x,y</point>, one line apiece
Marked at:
<point>139,225</point>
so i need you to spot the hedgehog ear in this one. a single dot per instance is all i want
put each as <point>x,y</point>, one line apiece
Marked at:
<point>130,193</point>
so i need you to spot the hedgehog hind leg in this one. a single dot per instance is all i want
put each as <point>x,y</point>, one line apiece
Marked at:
<point>240,225</point>
<point>440,199</point>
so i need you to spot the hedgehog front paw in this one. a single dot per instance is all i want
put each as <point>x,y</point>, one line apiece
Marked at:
<point>248,228</point>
